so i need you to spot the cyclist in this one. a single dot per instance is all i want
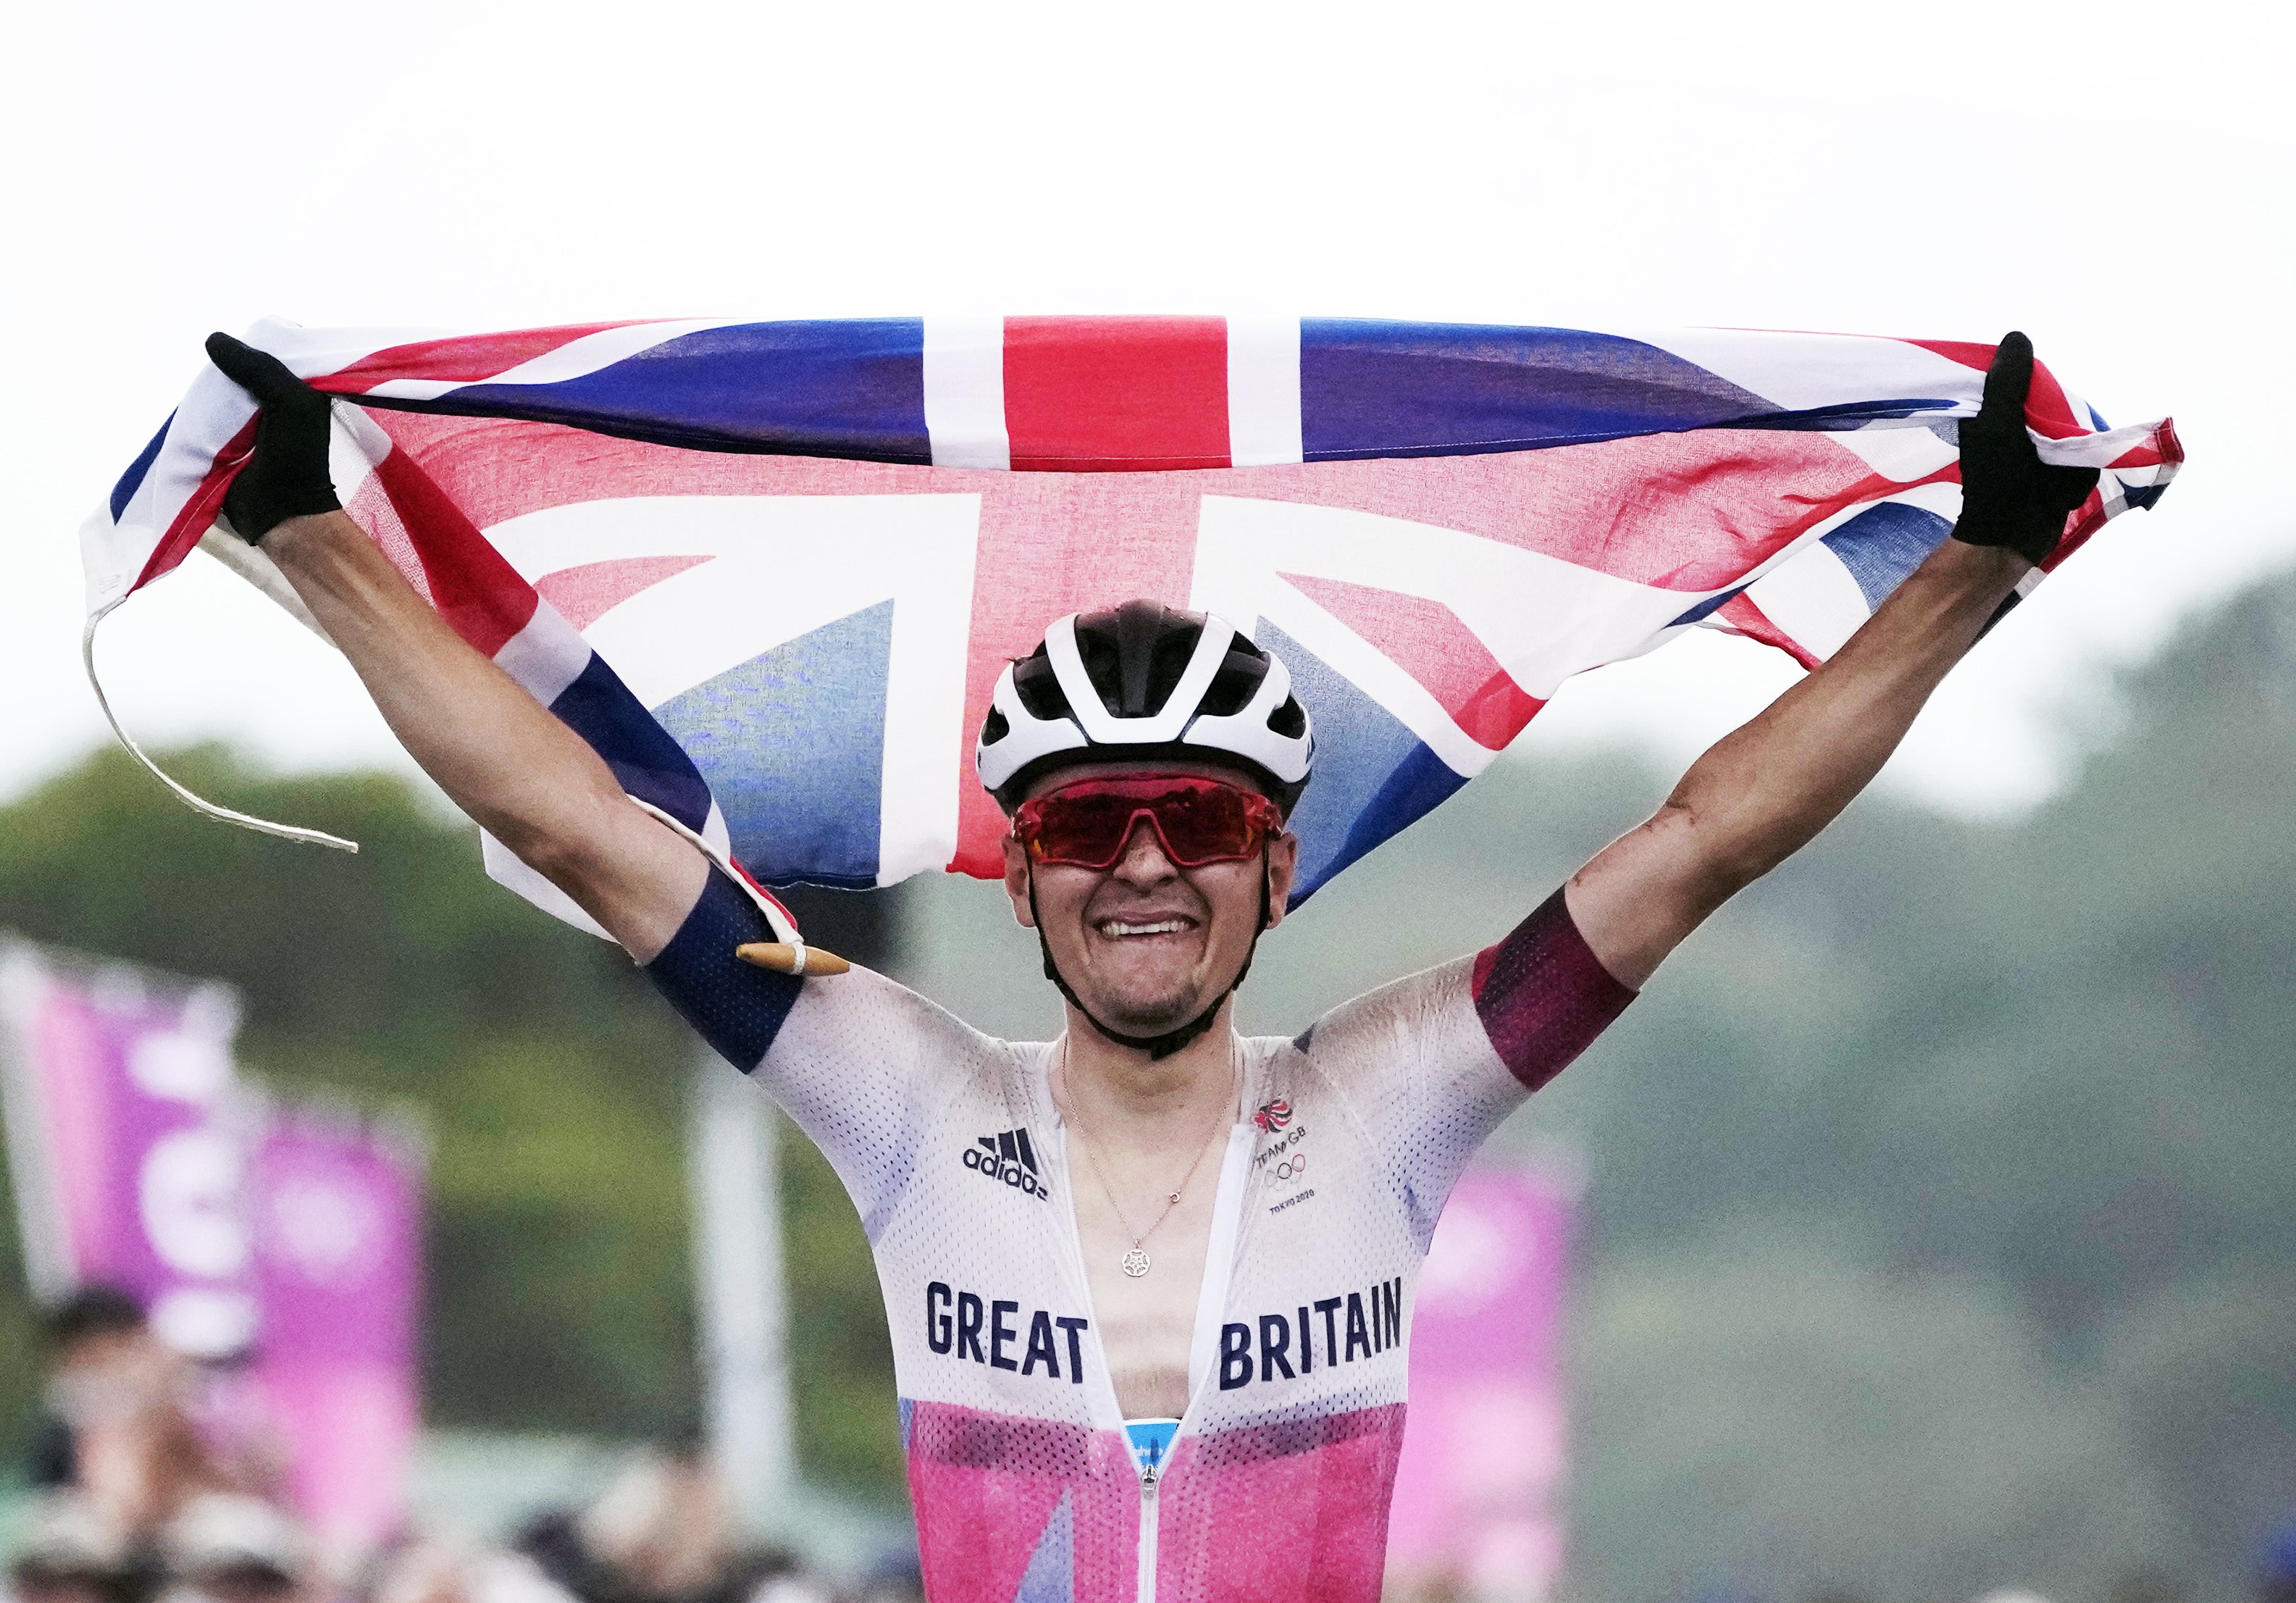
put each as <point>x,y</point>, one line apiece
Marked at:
<point>1150,1283</point>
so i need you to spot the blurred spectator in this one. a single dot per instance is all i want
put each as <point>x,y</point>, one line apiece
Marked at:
<point>225,1547</point>
<point>83,1334</point>
<point>899,1579</point>
<point>69,1550</point>
<point>661,1533</point>
<point>119,1426</point>
<point>440,1570</point>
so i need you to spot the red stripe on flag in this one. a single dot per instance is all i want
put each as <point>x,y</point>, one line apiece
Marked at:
<point>1115,394</point>
<point>2080,523</point>
<point>2164,450</point>
<point>198,514</point>
<point>462,360</point>
<point>1967,352</point>
<point>588,591</point>
<point>474,588</point>
<point>1434,646</point>
<point>2047,410</point>
<point>1741,616</point>
<point>1050,545</point>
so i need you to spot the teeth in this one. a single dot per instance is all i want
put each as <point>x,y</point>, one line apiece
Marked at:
<point>1166,926</point>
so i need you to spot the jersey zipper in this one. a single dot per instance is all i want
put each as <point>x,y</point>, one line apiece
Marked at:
<point>1144,1583</point>
<point>1236,1170</point>
<point>1145,1591</point>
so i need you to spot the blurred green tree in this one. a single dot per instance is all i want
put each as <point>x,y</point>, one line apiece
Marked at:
<point>1942,1199</point>
<point>551,1078</point>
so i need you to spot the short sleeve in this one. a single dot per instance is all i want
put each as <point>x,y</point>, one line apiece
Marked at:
<point>1433,1063</point>
<point>855,1060</point>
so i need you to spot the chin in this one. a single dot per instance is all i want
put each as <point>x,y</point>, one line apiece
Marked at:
<point>1146,1018</point>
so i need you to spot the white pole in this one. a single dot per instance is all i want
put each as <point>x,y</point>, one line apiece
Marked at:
<point>737,1234</point>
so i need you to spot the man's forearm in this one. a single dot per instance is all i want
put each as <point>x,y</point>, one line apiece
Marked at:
<point>1766,790</point>
<point>503,758</point>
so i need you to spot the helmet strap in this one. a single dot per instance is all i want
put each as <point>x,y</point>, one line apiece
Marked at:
<point>1157,1047</point>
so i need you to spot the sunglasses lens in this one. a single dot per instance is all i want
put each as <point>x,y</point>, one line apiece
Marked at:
<point>1085,830</point>
<point>1199,821</point>
<point>1205,825</point>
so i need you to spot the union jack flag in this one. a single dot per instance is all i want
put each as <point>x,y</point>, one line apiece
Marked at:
<point>770,570</point>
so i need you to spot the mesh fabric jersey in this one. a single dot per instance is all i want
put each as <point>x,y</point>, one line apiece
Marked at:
<point>1277,1484</point>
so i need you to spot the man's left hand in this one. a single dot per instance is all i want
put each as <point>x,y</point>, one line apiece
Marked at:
<point>2010,498</point>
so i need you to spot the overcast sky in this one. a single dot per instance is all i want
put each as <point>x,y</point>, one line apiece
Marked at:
<point>2114,179</point>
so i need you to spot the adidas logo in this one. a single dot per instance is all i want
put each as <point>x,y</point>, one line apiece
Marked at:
<point>1010,1160</point>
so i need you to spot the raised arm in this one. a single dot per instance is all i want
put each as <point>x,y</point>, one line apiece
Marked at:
<point>504,757</point>
<point>1763,792</point>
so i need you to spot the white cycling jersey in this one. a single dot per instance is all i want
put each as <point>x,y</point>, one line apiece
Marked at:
<point>1275,1483</point>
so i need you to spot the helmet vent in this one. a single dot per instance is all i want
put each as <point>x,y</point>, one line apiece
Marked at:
<point>1239,676</point>
<point>1136,654</point>
<point>1145,682</point>
<point>1038,687</point>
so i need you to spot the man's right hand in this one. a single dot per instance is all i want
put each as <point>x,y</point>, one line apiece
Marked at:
<point>287,476</point>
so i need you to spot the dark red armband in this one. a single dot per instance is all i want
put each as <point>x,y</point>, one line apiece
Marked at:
<point>1543,996</point>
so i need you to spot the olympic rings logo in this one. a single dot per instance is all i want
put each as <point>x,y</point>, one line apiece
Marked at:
<point>1291,1168</point>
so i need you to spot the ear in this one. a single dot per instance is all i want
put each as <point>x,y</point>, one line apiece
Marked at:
<point>1016,881</point>
<point>1283,866</point>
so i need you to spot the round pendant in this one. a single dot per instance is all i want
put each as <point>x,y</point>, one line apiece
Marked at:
<point>1136,1263</point>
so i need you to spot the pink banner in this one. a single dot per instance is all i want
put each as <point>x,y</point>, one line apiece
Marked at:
<point>140,1164</point>
<point>1483,1444</point>
<point>128,1168</point>
<point>338,1234</point>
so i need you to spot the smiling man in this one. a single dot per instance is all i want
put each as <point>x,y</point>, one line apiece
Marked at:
<point>1150,1283</point>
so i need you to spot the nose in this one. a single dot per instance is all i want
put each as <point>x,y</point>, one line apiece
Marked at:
<point>1143,862</point>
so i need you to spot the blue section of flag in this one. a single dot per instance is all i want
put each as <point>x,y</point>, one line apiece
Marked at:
<point>1712,604</point>
<point>1372,774</point>
<point>794,744</point>
<point>1382,389</point>
<point>850,388</point>
<point>651,765</point>
<point>132,480</point>
<point>1883,544</point>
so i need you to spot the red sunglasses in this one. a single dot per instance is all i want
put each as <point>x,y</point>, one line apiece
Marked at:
<point>1196,820</point>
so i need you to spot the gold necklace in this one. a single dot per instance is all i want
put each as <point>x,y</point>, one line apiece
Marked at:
<point>1136,1263</point>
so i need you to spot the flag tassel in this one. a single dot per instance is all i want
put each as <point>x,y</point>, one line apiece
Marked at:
<point>285,832</point>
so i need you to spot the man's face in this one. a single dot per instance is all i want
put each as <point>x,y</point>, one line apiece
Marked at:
<point>1147,945</point>
<point>113,1375</point>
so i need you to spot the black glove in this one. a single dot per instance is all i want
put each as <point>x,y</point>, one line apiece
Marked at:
<point>287,476</point>
<point>2009,497</point>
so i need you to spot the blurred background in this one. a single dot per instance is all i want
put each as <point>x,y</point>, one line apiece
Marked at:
<point>1935,1232</point>
<point>1931,1217</point>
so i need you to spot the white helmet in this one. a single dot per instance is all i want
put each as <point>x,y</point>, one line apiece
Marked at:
<point>1148,681</point>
